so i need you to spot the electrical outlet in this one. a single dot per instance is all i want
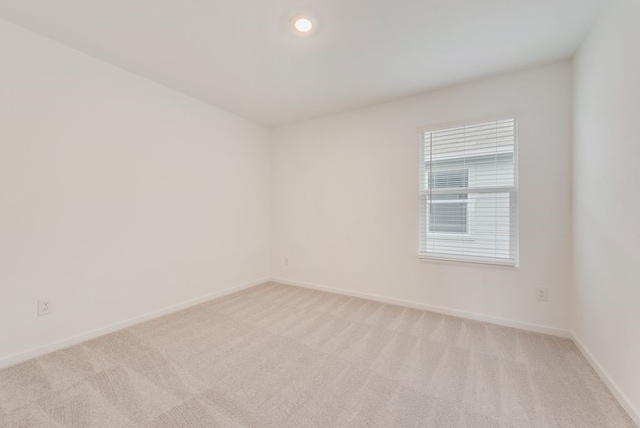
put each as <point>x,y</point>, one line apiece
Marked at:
<point>542,294</point>
<point>286,261</point>
<point>45,307</point>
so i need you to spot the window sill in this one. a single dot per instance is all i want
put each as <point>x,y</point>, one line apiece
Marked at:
<point>473,260</point>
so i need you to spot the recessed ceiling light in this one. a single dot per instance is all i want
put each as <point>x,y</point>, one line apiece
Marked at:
<point>303,25</point>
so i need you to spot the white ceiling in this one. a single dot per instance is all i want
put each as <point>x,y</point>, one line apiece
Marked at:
<point>242,56</point>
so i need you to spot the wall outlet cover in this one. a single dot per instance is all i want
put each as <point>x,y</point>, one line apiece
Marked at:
<point>45,307</point>
<point>542,294</point>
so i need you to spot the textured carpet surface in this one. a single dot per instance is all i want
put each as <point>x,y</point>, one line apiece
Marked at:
<point>281,356</point>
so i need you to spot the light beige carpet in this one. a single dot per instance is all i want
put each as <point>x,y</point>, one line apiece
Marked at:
<point>281,356</point>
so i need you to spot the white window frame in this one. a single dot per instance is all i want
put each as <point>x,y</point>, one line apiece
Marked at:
<point>512,190</point>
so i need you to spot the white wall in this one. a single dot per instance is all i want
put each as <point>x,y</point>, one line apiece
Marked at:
<point>118,197</point>
<point>345,200</point>
<point>606,296</point>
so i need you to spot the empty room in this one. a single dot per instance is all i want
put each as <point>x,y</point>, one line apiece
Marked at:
<point>306,213</point>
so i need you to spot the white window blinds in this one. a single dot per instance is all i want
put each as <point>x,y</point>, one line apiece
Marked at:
<point>469,193</point>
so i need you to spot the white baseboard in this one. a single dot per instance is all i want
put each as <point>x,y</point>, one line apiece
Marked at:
<point>65,343</point>
<point>626,404</point>
<point>437,309</point>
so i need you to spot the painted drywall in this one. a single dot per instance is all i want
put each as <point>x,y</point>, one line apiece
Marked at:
<point>118,197</point>
<point>345,200</point>
<point>606,294</point>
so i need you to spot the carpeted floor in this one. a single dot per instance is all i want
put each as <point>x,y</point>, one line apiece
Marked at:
<point>281,356</point>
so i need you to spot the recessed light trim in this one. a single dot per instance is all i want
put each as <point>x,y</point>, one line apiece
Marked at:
<point>303,24</point>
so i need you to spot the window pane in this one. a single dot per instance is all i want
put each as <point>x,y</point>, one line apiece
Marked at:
<point>450,178</point>
<point>448,217</point>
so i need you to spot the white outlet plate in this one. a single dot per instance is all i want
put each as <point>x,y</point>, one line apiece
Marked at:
<point>542,294</point>
<point>286,261</point>
<point>45,307</point>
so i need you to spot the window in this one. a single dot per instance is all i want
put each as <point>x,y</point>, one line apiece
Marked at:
<point>468,193</point>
